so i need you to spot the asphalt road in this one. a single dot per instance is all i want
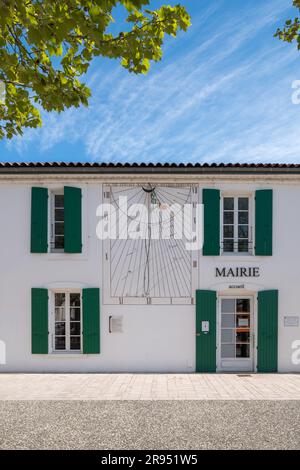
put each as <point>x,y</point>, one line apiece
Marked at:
<point>154,425</point>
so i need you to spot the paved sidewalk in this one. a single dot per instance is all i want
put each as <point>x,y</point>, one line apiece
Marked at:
<point>149,387</point>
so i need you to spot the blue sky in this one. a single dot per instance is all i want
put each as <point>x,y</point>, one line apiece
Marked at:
<point>222,93</point>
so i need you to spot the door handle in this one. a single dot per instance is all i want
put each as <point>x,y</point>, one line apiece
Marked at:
<point>198,334</point>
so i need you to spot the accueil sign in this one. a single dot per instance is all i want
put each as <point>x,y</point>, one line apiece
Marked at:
<point>237,272</point>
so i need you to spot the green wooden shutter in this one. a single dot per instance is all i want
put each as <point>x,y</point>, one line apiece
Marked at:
<point>91,321</point>
<point>39,220</point>
<point>267,329</point>
<point>211,201</point>
<point>73,220</point>
<point>39,321</point>
<point>206,310</point>
<point>264,222</point>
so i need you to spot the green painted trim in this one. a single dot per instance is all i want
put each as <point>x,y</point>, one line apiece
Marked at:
<point>264,222</point>
<point>211,201</point>
<point>267,328</point>
<point>39,321</point>
<point>91,320</point>
<point>73,220</point>
<point>39,220</point>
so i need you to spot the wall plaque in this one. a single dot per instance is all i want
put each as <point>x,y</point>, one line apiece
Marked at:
<point>115,324</point>
<point>290,320</point>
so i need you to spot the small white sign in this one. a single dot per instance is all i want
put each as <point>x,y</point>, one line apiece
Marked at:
<point>116,324</point>
<point>291,321</point>
<point>205,326</point>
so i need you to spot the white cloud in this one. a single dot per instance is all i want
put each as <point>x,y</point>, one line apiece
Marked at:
<point>221,97</point>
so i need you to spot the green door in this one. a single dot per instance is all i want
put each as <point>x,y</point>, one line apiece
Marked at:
<point>267,331</point>
<point>206,313</point>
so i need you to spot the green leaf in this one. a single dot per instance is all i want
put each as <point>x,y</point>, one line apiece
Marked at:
<point>46,47</point>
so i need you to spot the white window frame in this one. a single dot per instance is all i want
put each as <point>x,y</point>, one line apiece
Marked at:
<point>67,293</point>
<point>52,194</point>
<point>236,196</point>
<point>55,255</point>
<point>237,364</point>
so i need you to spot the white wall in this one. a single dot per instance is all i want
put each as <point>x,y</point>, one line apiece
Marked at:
<point>154,338</point>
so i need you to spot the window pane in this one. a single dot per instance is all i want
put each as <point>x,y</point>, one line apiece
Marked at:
<point>227,336</point>
<point>60,342</point>
<point>229,218</point>
<point>59,200</point>
<point>243,203</point>
<point>243,218</point>
<point>243,305</point>
<point>59,300</point>
<point>75,328</point>
<point>243,246</point>
<point>243,321</point>
<point>60,314</point>
<point>59,228</point>
<point>228,246</point>
<point>59,241</point>
<point>243,231</point>
<point>228,231</point>
<point>228,306</point>
<point>75,314</point>
<point>75,300</point>
<point>228,203</point>
<point>75,342</point>
<point>243,350</point>
<point>60,329</point>
<point>228,321</point>
<point>59,215</point>
<point>228,350</point>
<point>243,337</point>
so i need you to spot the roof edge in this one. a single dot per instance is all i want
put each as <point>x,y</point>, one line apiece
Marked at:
<point>146,168</point>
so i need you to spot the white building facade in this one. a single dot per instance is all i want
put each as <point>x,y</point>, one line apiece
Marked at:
<point>71,302</point>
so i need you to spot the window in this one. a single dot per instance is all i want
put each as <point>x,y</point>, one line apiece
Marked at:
<point>67,321</point>
<point>237,232</point>
<point>57,241</point>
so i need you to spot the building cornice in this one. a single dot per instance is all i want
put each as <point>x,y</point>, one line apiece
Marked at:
<point>128,169</point>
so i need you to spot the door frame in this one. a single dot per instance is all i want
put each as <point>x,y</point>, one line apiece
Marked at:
<point>253,315</point>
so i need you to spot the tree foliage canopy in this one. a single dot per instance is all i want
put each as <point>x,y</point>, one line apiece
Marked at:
<point>291,30</point>
<point>46,46</point>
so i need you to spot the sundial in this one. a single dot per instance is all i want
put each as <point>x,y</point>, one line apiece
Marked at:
<point>159,266</point>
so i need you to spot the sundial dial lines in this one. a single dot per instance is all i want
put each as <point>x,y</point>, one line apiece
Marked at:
<point>154,266</point>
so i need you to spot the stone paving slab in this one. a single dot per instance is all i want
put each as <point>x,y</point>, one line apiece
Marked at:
<point>149,386</point>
